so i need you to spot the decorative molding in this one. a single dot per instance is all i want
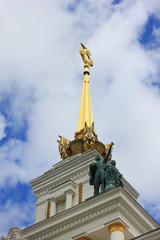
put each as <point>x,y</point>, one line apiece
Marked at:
<point>72,176</point>
<point>72,223</point>
<point>117,226</point>
<point>130,189</point>
<point>135,218</point>
<point>67,160</point>
<point>69,191</point>
<point>117,200</point>
<point>70,212</point>
<point>69,182</point>
<point>67,165</point>
<point>154,234</point>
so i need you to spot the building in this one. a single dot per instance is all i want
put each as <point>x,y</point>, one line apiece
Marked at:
<point>66,207</point>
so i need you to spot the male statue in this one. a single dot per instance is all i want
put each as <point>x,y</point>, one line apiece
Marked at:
<point>98,172</point>
<point>113,176</point>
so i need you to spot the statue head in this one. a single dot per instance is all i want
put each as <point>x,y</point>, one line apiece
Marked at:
<point>98,158</point>
<point>113,162</point>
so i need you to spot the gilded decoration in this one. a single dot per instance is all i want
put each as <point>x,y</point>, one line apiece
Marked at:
<point>116,227</point>
<point>85,139</point>
<point>80,193</point>
<point>48,209</point>
<point>64,147</point>
<point>88,135</point>
<point>85,54</point>
<point>84,238</point>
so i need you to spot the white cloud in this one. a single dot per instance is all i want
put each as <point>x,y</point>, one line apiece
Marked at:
<point>40,62</point>
<point>2,127</point>
<point>16,214</point>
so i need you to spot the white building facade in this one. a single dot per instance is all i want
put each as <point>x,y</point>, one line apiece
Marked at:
<point>67,209</point>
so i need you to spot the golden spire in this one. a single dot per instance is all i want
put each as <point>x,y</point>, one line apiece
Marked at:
<point>86,114</point>
<point>85,138</point>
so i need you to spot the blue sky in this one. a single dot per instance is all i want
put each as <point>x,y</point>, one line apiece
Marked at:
<point>41,84</point>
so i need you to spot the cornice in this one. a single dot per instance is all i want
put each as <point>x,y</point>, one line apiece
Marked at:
<point>66,165</point>
<point>154,234</point>
<point>67,160</point>
<point>130,189</point>
<point>61,186</point>
<point>74,170</point>
<point>91,210</point>
<point>55,182</point>
<point>67,220</point>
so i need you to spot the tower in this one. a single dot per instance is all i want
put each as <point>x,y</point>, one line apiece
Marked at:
<point>67,207</point>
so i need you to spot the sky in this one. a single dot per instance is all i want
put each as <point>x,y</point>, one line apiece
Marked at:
<point>41,78</point>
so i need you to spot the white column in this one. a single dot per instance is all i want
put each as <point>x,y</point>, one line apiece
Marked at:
<point>116,231</point>
<point>53,207</point>
<point>69,195</point>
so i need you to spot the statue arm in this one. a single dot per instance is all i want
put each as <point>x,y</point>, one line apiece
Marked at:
<point>109,152</point>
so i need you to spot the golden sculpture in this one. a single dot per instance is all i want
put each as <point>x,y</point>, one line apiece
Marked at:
<point>85,137</point>
<point>85,54</point>
<point>64,147</point>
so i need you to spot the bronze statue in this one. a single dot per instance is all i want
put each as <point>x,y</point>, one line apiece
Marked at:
<point>106,175</point>
<point>113,176</point>
<point>98,172</point>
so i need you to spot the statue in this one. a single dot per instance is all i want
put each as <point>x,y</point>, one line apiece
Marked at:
<point>113,176</point>
<point>106,175</point>
<point>98,172</point>
<point>85,54</point>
